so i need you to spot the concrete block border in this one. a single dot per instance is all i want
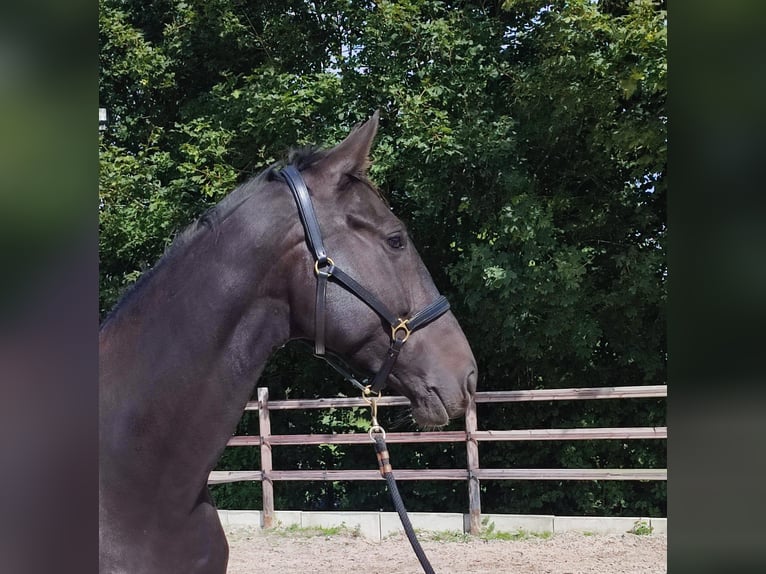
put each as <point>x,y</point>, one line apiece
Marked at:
<point>378,525</point>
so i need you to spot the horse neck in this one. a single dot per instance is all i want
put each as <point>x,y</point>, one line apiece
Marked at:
<point>207,293</point>
<point>180,359</point>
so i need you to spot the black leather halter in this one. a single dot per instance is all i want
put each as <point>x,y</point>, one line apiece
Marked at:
<point>325,268</point>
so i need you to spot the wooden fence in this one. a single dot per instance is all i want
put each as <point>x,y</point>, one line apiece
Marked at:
<point>471,437</point>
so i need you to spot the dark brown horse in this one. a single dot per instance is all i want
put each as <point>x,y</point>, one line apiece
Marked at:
<point>181,353</point>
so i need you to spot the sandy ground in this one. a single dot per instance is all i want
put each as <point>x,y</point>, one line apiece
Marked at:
<point>252,551</point>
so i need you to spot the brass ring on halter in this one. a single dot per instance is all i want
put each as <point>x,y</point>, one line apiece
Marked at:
<point>402,326</point>
<point>327,263</point>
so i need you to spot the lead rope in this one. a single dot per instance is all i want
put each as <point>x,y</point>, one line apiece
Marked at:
<point>378,436</point>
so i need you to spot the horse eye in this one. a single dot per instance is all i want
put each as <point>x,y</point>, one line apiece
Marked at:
<point>396,242</point>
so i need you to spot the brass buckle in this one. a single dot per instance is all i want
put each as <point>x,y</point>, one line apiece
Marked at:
<point>328,262</point>
<point>402,326</point>
<point>370,399</point>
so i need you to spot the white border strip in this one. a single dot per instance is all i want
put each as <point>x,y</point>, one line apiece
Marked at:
<point>378,525</point>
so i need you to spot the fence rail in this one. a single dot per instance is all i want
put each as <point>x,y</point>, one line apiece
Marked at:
<point>587,393</point>
<point>471,436</point>
<point>224,476</point>
<point>458,436</point>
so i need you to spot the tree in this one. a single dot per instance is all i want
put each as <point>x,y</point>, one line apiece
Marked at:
<point>524,144</point>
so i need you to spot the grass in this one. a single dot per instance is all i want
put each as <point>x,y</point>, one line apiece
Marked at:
<point>641,528</point>
<point>487,534</point>
<point>312,531</point>
<point>457,536</point>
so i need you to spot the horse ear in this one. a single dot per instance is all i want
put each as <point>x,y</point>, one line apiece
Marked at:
<point>351,156</point>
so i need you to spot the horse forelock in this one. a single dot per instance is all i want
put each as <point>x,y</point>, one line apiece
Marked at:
<point>305,157</point>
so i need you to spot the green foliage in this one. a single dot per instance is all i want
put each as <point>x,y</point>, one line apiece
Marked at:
<point>641,528</point>
<point>524,142</point>
<point>295,530</point>
<point>487,533</point>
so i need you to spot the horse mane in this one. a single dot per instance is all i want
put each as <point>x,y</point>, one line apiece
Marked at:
<point>207,222</point>
<point>213,216</point>
<point>301,157</point>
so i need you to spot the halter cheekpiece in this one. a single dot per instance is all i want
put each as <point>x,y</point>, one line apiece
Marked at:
<point>325,268</point>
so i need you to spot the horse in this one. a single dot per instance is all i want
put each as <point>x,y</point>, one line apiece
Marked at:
<point>308,251</point>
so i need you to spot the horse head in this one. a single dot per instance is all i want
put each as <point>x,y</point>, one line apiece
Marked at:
<point>435,369</point>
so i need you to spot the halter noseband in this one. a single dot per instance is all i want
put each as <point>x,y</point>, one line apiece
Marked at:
<point>325,268</point>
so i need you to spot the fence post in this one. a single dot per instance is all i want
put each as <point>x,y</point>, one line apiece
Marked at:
<point>472,452</point>
<point>267,484</point>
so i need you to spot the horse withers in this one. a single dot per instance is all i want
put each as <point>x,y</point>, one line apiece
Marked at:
<point>181,352</point>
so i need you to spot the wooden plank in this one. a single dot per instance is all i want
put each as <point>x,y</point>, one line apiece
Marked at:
<point>573,434</point>
<point>627,392</point>
<point>266,464</point>
<point>624,392</point>
<point>308,475</point>
<point>472,458</point>
<point>327,403</point>
<point>223,476</point>
<point>350,438</point>
<point>218,477</point>
<point>573,474</point>
<point>364,438</point>
<point>460,436</point>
